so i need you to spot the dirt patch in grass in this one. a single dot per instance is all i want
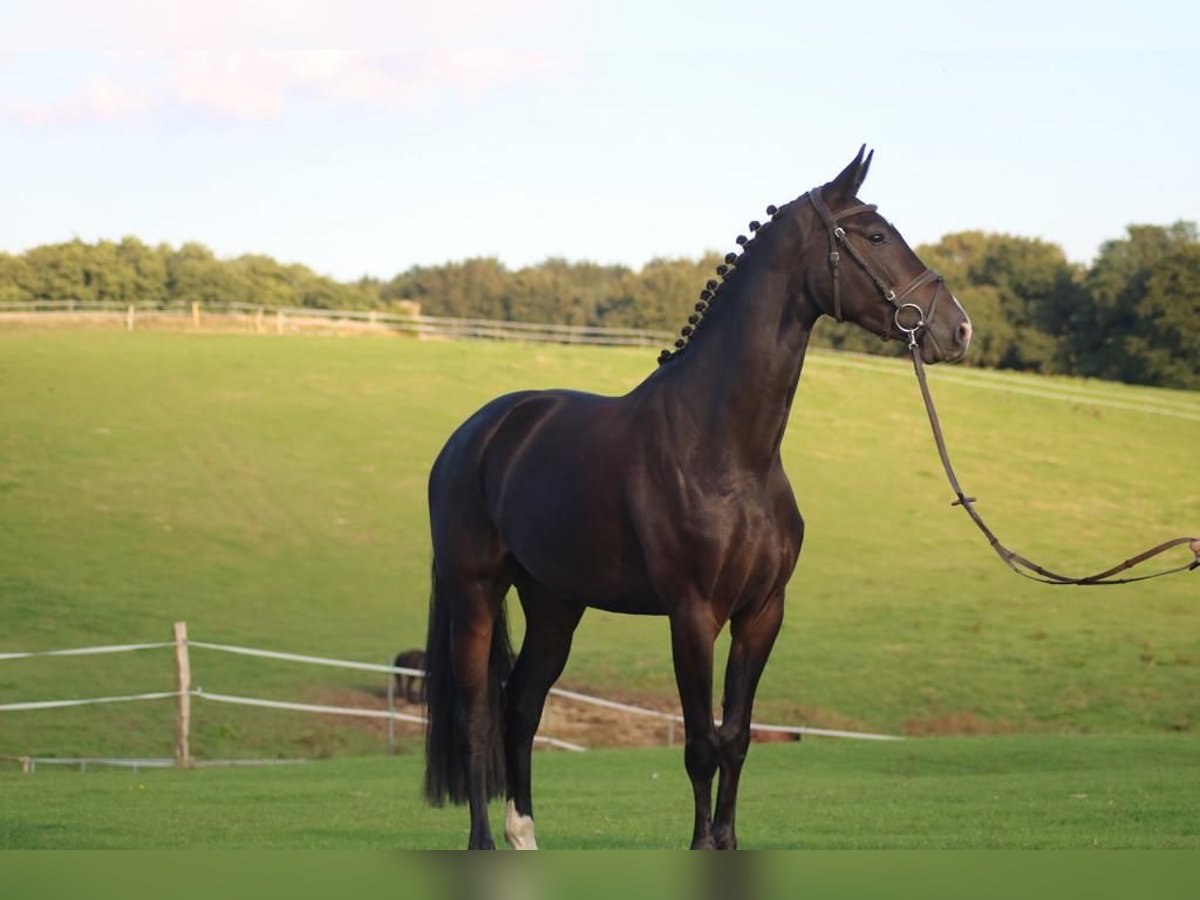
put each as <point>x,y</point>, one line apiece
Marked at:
<point>958,723</point>
<point>565,719</point>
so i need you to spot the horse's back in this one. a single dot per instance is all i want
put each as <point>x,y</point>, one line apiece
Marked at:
<point>543,474</point>
<point>410,659</point>
<point>508,435</point>
<point>503,427</point>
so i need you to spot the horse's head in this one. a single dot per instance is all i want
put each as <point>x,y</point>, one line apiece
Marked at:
<point>873,278</point>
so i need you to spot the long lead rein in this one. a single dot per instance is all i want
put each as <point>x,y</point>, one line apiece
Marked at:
<point>1015,561</point>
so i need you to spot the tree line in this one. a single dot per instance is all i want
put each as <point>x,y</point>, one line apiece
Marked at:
<point>1132,314</point>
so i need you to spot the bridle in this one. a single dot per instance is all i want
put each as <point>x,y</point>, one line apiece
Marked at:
<point>895,298</point>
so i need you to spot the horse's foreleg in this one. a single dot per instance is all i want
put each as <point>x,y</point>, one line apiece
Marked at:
<point>549,626</point>
<point>753,636</point>
<point>692,636</point>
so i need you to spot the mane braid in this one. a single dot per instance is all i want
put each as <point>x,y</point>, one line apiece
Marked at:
<point>712,291</point>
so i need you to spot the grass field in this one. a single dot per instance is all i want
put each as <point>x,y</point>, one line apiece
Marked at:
<point>1044,791</point>
<point>270,491</point>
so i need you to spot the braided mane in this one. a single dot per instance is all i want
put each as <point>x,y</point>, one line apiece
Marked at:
<point>712,291</point>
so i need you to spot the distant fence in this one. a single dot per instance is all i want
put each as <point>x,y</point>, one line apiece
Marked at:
<point>29,764</point>
<point>184,692</point>
<point>281,320</point>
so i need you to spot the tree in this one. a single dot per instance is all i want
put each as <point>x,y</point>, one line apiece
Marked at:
<point>14,276</point>
<point>1141,323</point>
<point>146,270</point>
<point>1167,347</point>
<point>1134,315</point>
<point>59,272</point>
<point>195,275</point>
<point>1020,293</point>
<point>469,289</point>
<point>662,294</point>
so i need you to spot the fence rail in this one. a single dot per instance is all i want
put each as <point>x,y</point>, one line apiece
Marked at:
<point>184,693</point>
<point>265,319</point>
<point>29,764</point>
<point>89,651</point>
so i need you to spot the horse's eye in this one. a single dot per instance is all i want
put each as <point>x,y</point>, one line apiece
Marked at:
<point>877,238</point>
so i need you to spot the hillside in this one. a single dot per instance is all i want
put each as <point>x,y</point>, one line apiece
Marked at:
<point>270,491</point>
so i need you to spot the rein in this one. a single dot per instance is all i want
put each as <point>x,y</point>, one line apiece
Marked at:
<point>1015,561</point>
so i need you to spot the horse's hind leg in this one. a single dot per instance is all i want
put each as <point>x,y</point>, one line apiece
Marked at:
<point>692,636</point>
<point>753,635</point>
<point>549,625</point>
<point>477,653</point>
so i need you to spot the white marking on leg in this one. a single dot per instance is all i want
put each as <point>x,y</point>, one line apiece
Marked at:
<point>518,829</point>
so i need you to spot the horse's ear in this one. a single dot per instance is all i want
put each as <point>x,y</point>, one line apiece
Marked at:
<point>850,179</point>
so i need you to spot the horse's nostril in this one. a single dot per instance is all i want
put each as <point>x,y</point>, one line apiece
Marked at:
<point>964,334</point>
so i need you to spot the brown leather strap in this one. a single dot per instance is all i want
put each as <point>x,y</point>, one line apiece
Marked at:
<point>838,238</point>
<point>1016,561</point>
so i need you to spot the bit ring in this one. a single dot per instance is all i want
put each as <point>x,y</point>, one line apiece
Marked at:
<point>917,326</point>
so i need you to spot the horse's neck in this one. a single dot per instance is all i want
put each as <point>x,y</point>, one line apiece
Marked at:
<point>737,378</point>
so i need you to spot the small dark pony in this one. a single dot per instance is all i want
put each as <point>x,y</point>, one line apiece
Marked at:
<point>410,687</point>
<point>669,501</point>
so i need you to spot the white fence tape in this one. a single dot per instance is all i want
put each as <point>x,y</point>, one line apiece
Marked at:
<point>990,380</point>
<point>348,711</point>
<point>152,762</point>
<point>254,701</point>
<point>88,651</point>
<point>559,743</point>
<point>613,704</point>
<point>308,707</point>
<point>826,732</point>
<point>557,692</point>
<point>89,701</point>
<point>384,714</point>
<point>754,726</point>
<point>302,658</point>
<point>438,326</point>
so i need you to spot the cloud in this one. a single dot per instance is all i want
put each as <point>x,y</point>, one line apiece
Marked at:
<point>220,58</point>
<point>262,86</point>
<point>365,25</point>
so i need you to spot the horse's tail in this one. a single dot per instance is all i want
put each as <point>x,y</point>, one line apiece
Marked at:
<point>445,732</point>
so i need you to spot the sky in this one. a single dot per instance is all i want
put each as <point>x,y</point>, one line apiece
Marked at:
<point>362,138</point>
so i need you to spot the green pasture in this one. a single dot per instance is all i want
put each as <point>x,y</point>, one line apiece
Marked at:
<point>270,491</point>
<point>1027,791</point>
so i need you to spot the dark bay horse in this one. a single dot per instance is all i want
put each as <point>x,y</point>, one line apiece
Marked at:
<point>410,687</point>
<point>670,500</point>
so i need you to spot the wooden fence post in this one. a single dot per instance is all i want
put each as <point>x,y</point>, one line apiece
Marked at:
<point>130,314</point>
<point>391,701</point>
<point>183,684</point>
<point>195,314</point>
